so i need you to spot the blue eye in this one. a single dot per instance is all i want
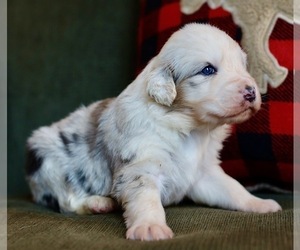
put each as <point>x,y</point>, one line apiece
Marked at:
<point>208,70</point>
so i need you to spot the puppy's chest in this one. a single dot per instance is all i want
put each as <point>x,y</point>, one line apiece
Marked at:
<point>190,158</point>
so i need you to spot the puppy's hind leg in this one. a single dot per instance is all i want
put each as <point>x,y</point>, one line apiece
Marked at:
<point>94,204</point>
<point>216,188</point>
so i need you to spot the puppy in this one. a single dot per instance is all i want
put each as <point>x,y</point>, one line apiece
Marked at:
<point>156,143</point>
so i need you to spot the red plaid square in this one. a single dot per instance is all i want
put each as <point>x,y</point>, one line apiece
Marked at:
<point>285,56</point>
<point>281,118</point>
<point>169,16</point>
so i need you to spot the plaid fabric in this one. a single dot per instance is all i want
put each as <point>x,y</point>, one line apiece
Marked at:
<point>261,149</point>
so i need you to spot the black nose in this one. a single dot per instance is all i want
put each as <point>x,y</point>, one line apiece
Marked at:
<point>249,94</point>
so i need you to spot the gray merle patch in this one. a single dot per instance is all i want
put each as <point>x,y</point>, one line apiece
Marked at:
<point>65,140</point>
<point>33,162</point>
<point>51,202</point>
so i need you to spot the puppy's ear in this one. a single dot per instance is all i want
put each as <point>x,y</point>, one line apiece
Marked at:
<point>161,86</point>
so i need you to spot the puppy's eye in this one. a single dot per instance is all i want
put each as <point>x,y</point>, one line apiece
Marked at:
<point>208,70</point>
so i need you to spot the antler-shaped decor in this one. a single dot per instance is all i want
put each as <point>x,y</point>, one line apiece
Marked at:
<point>256,19</point>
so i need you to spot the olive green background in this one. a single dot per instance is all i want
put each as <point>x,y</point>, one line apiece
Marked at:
<point>63,54</point>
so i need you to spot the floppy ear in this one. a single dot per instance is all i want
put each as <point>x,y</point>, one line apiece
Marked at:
<point>161,86</point>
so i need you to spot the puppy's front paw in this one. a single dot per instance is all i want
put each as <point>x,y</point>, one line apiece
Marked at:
<point>149,232</point>
<point>262,206</point>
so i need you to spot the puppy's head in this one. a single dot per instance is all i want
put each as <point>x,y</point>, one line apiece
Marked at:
<point>202,71</point>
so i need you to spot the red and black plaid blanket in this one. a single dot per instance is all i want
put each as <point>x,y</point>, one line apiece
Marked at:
<point>260,151</point>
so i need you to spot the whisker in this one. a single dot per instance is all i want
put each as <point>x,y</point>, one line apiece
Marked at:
<point>264,98</point>
<point>263,106</point>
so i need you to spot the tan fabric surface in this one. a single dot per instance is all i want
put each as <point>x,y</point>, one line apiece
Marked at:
<point>33,227</point>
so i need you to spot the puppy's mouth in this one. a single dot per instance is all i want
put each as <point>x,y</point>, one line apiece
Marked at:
<point>235,117</point>
<point>241,113</point>
<point>240,116</point>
